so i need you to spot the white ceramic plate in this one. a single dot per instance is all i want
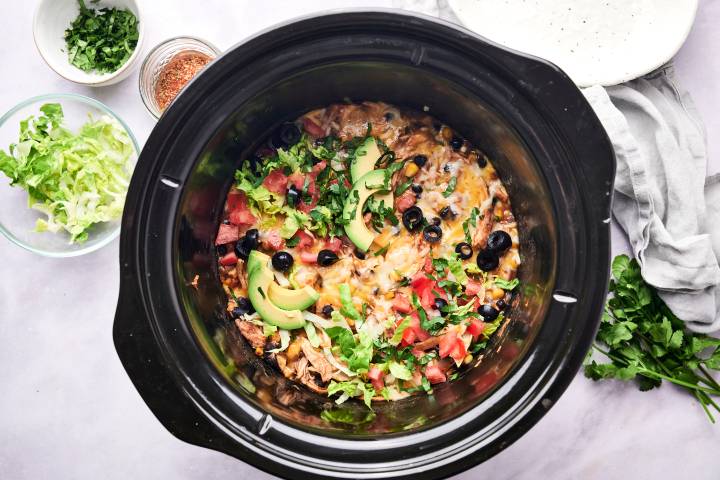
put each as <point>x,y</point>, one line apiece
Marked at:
<point>603,42</point>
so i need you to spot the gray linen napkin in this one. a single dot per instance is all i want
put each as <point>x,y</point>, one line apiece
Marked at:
<point>663,200</point>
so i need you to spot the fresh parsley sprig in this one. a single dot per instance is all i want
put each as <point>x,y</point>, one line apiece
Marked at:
<point>643,340</point>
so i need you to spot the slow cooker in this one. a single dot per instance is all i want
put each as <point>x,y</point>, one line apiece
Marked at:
<point>195,371</point>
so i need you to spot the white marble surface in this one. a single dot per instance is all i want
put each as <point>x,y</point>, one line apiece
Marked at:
<point>68,411</point>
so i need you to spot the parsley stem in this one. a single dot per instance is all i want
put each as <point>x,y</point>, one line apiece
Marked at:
<point>704,406</point>
<point>709,377</point>
<point>653,374</point>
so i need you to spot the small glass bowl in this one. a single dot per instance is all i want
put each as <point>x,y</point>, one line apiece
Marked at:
<point>17,219</point>
<point>161,56</point>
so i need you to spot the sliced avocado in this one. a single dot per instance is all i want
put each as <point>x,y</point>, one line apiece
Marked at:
<point>256,258</point>
<point>288,299</point>
<point>284,298</point>
<point>365,159</point>
<point>356,230</point>
<point>260,277</point>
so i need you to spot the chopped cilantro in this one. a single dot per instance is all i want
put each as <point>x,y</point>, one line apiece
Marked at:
<point>452,183</point>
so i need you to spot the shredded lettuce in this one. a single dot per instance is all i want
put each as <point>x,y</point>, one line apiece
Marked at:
<point>400,370</point>
<point>455,265</point>
<point>398,334</point>
<point>294,221</point>
<point>76,179</point>
<point>348,309</point>
<point>284,342</point>
<point>312,334</point>
<point>507,284</point>
<point>352,388</point>
<point>268,329</point>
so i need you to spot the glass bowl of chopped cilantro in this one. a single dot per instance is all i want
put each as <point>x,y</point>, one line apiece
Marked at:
<point>65,167</point>
<point>91,42</point>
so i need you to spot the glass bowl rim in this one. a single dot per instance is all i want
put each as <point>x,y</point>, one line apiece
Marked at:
<point>149,55</point>
<point>109,237</point>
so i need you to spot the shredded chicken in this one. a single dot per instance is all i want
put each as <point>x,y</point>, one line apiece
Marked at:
<point>317,360</point>
<point>252,333</point>
<point>482,232</point>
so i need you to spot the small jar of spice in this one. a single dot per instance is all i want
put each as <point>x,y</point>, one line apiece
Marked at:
<point>169,67</point>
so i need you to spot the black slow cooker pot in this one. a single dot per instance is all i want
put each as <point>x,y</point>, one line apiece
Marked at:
<point>196,373</point>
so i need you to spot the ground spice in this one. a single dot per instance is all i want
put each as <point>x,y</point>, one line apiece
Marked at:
<point>176,74</point>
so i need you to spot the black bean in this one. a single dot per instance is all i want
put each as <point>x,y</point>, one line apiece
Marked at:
<point>359,254</point>
<point>416,188</point>
<point>327,310</point>
<point>420,160</point>
<point>456,143</point>
<point>243,307</point>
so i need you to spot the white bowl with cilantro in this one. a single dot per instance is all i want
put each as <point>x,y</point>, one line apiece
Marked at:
<point>65,167</point>
<point>91,43</point>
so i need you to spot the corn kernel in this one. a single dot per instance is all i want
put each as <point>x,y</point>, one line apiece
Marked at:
<point>389,295</point>
<point>293,351</point>
<point>468,358</point>
<point>411,169</point>
<point>497,293</point>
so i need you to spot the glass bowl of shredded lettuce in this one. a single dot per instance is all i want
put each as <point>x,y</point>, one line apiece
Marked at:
<point>65,167</point>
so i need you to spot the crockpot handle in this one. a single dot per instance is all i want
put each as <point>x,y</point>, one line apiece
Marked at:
<point>135,345</point>
<point>568,111</point>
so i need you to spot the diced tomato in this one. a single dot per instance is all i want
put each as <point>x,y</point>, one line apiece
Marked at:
<point>376,378</point>
<point>317,168</point>
<point>448,342</point>
<point>459,351</point>
<point>334,244</point>
<point>472,288</point>
<point>428,267</point>
<point>229,259</point>
<point>420,334</point>
<point>307,207</point>
<point>308,257</point>
<point>476,328</point>
<point>226,234</point>
<point>238,211</point>
<point>408,337</point>
<point>426,290</point>
<point>401,304</point>
<point>273,241</point>
<point>305,240</point>
<point>312,128</point>
<point>413,332</point>
<point>434,374</point>
<point>297,179</point>
<point>405,201</point>
<point>236,200</point>
<point>276,182</point>
<point>242,217</point>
